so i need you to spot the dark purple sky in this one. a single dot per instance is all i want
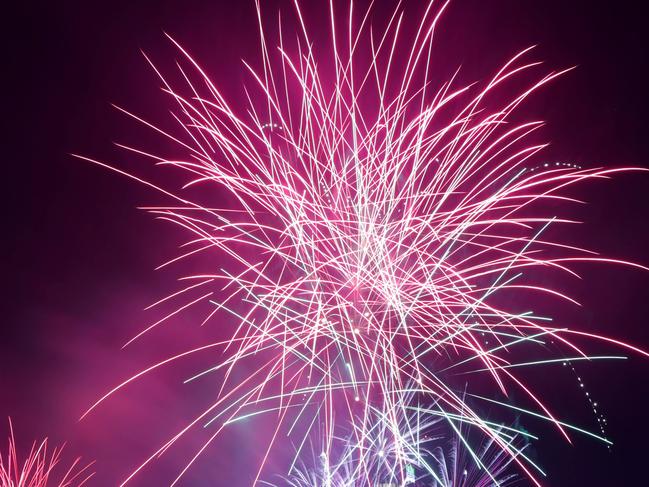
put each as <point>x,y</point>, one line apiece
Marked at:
<point>79,257</point>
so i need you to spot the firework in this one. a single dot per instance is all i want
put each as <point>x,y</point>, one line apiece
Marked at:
<point>376,222</point>
<point>459,465</point>
<point>452,463</point>
<point>40,468</point>
<point>412,448</point>
<point>382,449</point>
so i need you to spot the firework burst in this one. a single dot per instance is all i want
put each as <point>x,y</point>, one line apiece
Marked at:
<point>459,465</point>
<point>387,452</point>
<point>40,468</point>
<point>414,447</point>
<point>376,222</point>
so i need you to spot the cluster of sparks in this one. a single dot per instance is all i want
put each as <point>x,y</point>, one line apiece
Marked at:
<point>414,437</point>
<point>376,222</point>
<point>40,467</point>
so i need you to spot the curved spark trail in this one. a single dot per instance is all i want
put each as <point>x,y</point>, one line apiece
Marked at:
<point>376,223</point>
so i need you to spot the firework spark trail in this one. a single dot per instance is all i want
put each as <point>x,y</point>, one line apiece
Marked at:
<point>457,467</point>
<point>39,468</point>
<point>413,438</point>
<point>373,228</point>
<point>382,456</point>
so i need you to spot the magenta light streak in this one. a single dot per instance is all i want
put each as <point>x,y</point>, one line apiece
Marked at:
<point>41,467</point>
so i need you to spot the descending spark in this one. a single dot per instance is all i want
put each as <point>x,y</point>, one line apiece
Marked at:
<point>40,468</point>
<point>381,231</point>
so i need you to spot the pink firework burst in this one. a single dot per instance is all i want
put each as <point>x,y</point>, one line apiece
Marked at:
<point>40,468</point>
<point>383,230</point>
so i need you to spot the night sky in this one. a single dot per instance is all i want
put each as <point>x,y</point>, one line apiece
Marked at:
<point>79,257</point>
